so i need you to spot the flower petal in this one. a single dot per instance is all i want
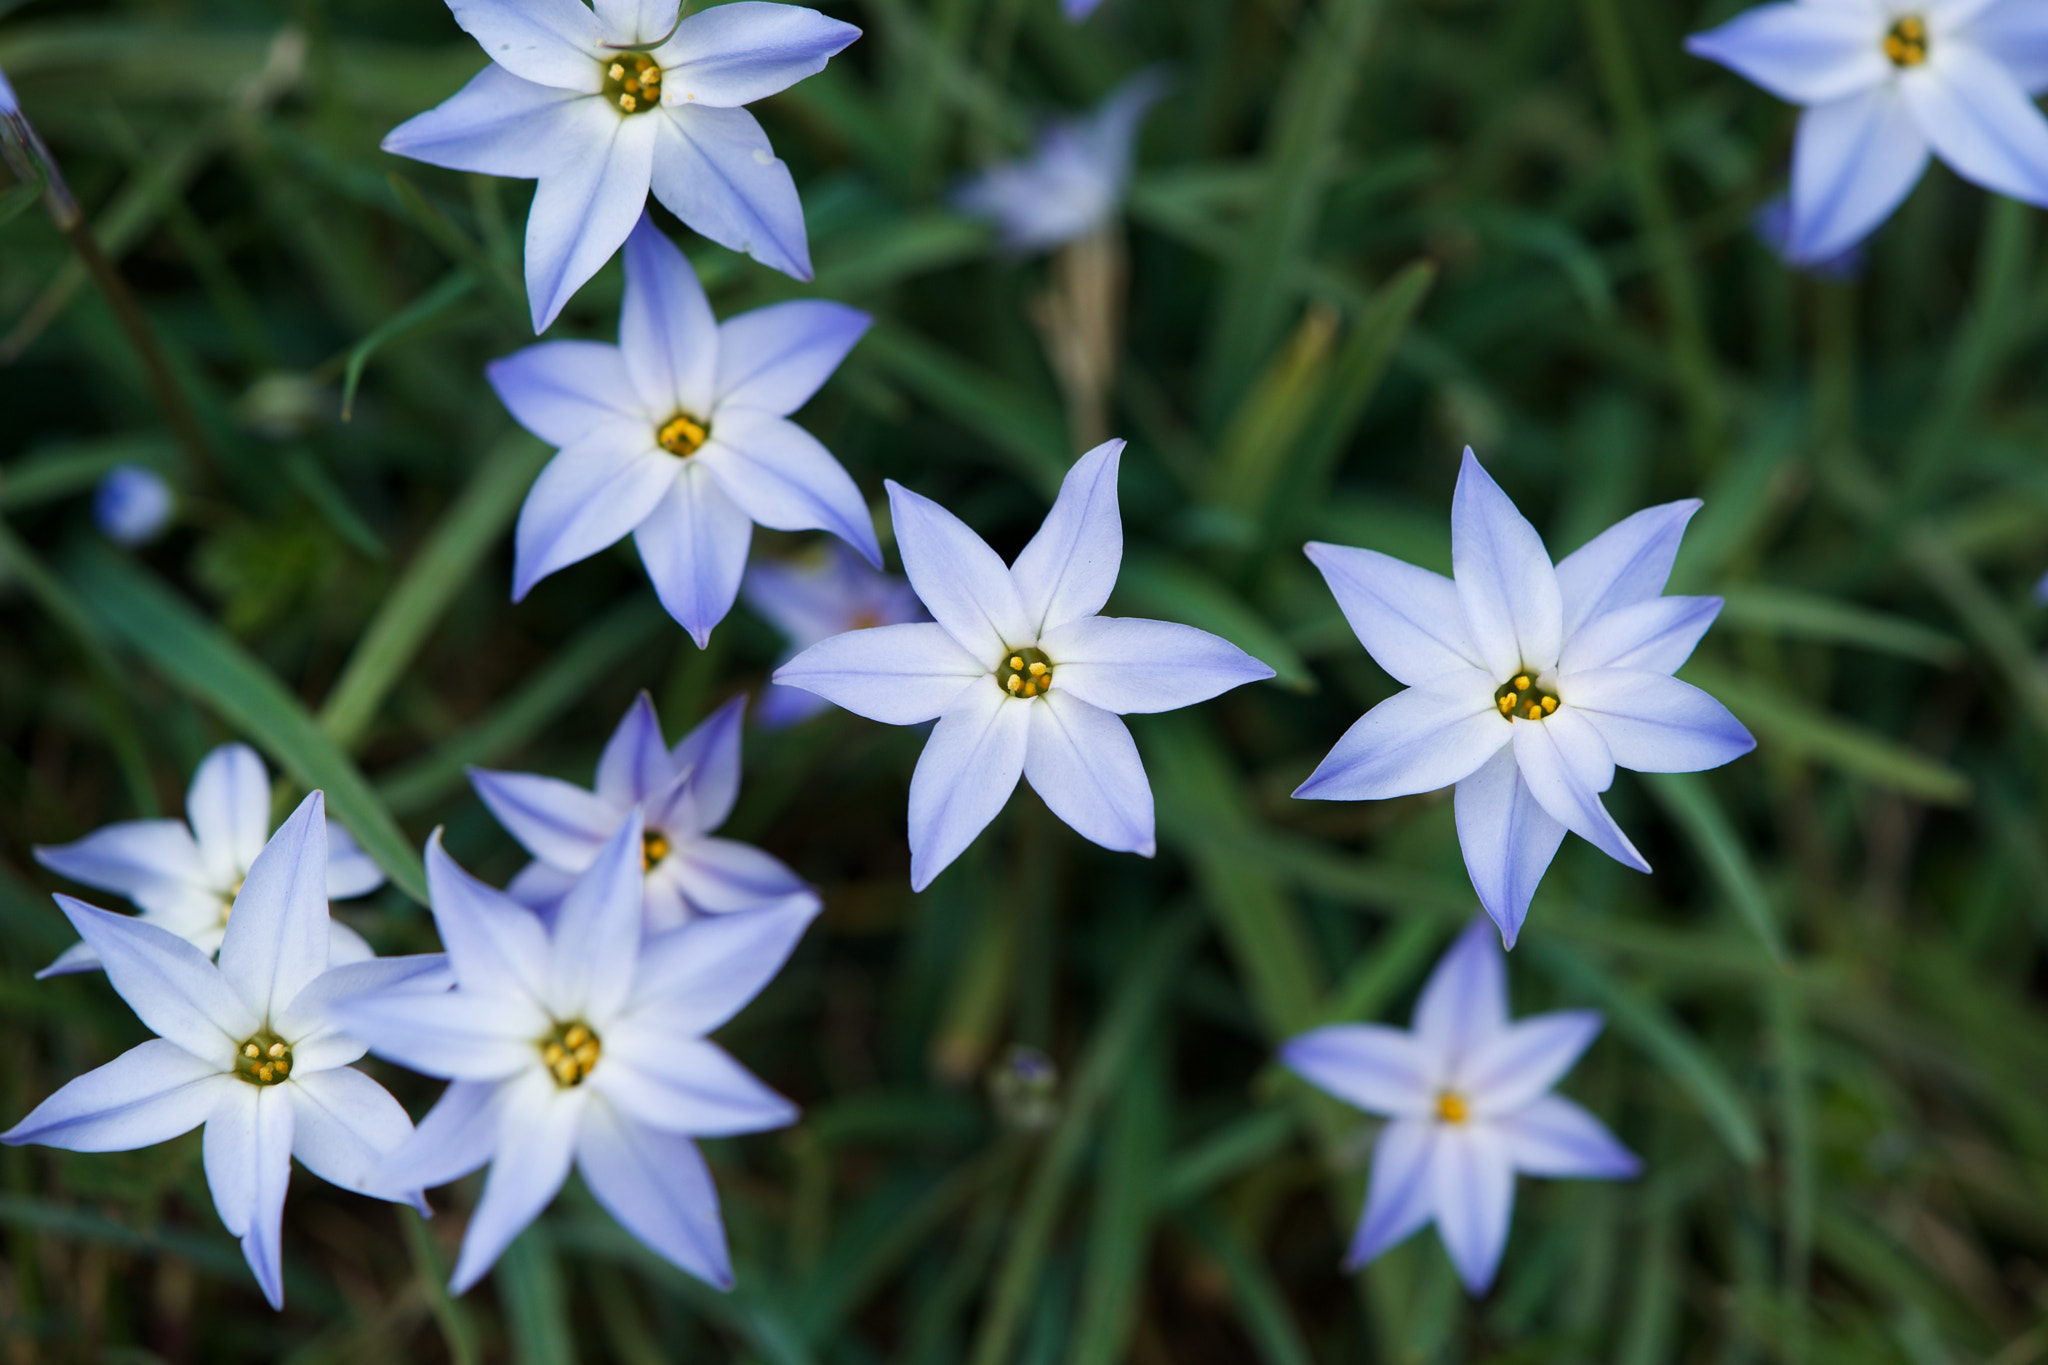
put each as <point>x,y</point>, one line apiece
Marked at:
<point>131,858</point>
<point>277,933</point>
<point>1515,1066</point>
<point>1399,1200</point>
<point>1465,1000</point>
<point>248,1156</point>
<point>588,497</point>
<point>1657,636</point>
<point>1508,840</point>
<point>1067,570</point>
<point>2016,30</point>
<point>735,54</point>
<point>500,124</point>
<point>458,1135</point>
<point>666,330</point>
<point>724,877</point>
<point>1083,763</point>
<point>1379,1069</point>
<point>584,207</point>
<point>660,1190</point>
<point>170,984</point>
<point>695,548</point>
<point>685,1085</point>
<point>1980,121</point>
<point>634,764</point>
<point>710,754</point>
<point>968,769</point>
<point>783,478</point>
<point>699,976</point>
<point>1555,1137</point>
<point>561,391</point>
<point>228,806</point>
<point>714,169</point>
<point>636,22</point>
<point>558,822</point>
<point>459,1035</point>
<point>773,359</point>
<point>554,42</point>
<point>1567,765</point>
<point>1408,619</point>
<point>1418,740</point>
<point>540,888</point>
<point>1802,53</point>
<point>79,957</point>
<point>899,675</point>
<point>536,1143</point>
<point>1853,161</point>
<point>350,871</point>
<point>1627,563</point>
<point>595,937</point>
<point>149,1094</point>
<point>493,943</point>
<point>1472,1186</point>
<point>344,1125</point>
<point>962,583</point>
<point>1504,577</point>
<point>1656,724</point>
<point>312,1024</point>
<point>1130,665</point>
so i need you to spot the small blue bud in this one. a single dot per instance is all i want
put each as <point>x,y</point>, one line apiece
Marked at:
<point>132,505</point>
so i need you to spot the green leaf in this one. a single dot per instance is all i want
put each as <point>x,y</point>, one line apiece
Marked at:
<point>1260,1305</point>
<point>1809,616</point>
<point>453,288</point>
<point>1030,433</point>
<point>1689,799</point>
<point>536,1301</point>
<point>200,660</point>
<point>1120,1231</point>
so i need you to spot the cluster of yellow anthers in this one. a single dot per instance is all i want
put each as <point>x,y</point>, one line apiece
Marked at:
<point>264,1060</point>
<point>653,848</point>
<point>682,434</point>
<point>571,1053</point>
<point>633,83</point>
<point>1518,698</point>
<point>1452,1108</point>
<point>1906,41</point>
<point>1022,679</point>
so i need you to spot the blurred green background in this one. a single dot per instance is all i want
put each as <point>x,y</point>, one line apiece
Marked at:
<point>1362,234</point>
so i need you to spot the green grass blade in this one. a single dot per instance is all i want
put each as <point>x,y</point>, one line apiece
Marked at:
<point>536,1299</point>
<point>1689,799</point>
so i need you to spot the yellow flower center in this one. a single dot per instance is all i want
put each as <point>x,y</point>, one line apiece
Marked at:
<point>1905,42</point>
<point>632,83</point>
<point>654,847</point>
<point>1025,673</point>
<point>571,1052</point>
<point>1452,1108</point>
<point>682,434</point>
<point>264,1059</point>
<point>1519,698</point>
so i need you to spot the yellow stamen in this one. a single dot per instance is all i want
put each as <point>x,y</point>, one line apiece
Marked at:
<point>1452,1108</point>
<point>1031,689</point>
<point>1905,42</point>
<point>570,1052</point>
<point>1037,670</point>
<point>1017,662</point>
<point>628,103</point>
<point>251,1050</point>
<point>616,71</point>
<point>632,83</point>
<point>682,434</point>
<point>1024,673</point>
<point>654,846</point>
<point>1549,705</point>
<point>1521,682</point>
<point>1522,698</point>
<point>1015,684</point>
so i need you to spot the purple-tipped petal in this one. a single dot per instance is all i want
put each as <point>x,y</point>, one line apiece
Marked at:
<point>701,975</point>
<point>738,53</point>
<point>1465,1000</point>
<point>785,479</point>
<point>658,1187</point>
<point>899,675</point>
<point>1381,1070</point>
<point>553,42</point>
<point>149,1094</point>
<point>1567,765</point>
<point>561,391</point>
<point>1508,840</point>
<point>1627,563</point>
<point>726,877</point>
<point>1130,665</point>
<point>1472,1186</point>
<point>962,582</point>
<point>1803,53</point>
<point>1420,740</point>
<point>228,806</point>
<point>584,208</point>
<point>1981,121</point>
<point>694,545</point>
<point>1556,1138</point>
<point>1508,1071</point>
<point>557,821</point>
<point>344,1125</point>
<point>588,498</point>
<point>170,984</point>
<point>132,858</point>
<point>666,330</point>
<point>2017,31</point>
<point>714,169</point>
<point>1657,636</point>
<point>1656,724</point>
<point>635,763</point>
<point>710,754</point>
<point>773,359</point>
<point>968,769</point>
<point>277,933</point>
<point>1853,162</point>
<point>1408,619</point>
<point>1504,577</point>
<point>350,871</point>
<point>1400,1199</point>
<point>458,1135</point>
<point>1067,570</point>
<point>536,1143</point>
<point>595,937</point>
<point>490,938</point>
<point>1084,765</point>
<point>248,1156</point>
<point>500,124</point>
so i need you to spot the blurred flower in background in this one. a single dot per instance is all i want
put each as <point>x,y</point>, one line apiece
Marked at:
<point>580,1040</point>
<point>679,435</point>
<point>249,1047</point>
<point>678,796</point>
<point>599,107</point>
<point>1886,85</point>
<point>1468,1095</point>
<point>1772,223</point>
<point>132,505</point>
<point>1077,10</point>
<point>184,875</point>
<point>824,593</point>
